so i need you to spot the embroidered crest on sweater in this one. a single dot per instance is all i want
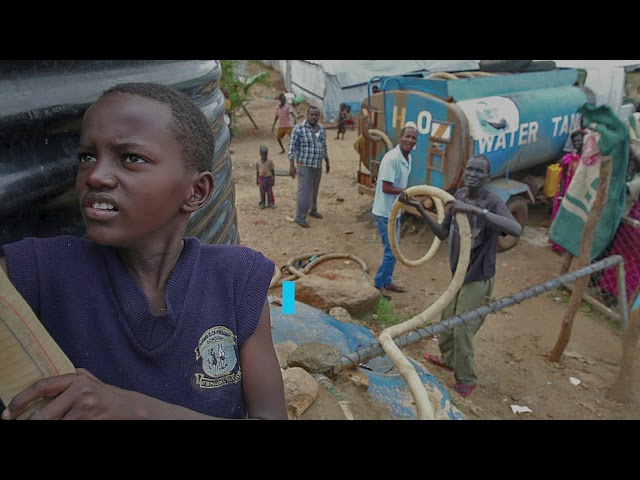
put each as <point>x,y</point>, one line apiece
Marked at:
<point>217,350</point>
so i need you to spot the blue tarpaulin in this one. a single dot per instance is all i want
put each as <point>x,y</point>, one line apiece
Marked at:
<point>387,386</point>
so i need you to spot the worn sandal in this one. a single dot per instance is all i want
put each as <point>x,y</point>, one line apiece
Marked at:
<point>395,288</point>
<point>464,390</point>
<point>431,358</point>
<point>385,293</point>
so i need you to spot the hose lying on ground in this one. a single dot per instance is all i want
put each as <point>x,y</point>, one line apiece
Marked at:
<point>315,259</point>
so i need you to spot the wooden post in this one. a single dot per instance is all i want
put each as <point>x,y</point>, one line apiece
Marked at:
<point>584,259</point>
<point>568,258</point>
<point>623,386</point>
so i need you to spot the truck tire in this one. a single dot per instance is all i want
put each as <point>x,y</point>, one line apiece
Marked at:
<point>540,66</point>
<point>516,66</point>
<point>504,65</point>
<point>519,208</point>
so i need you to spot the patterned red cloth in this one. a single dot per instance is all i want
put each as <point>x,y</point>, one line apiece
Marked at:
<point>625,243</point>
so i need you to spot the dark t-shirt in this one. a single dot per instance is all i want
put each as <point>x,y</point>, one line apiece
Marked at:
<point>482,264</point>
<point>95,310</point>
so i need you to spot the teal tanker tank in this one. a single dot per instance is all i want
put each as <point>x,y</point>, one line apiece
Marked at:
<point>520,121</point>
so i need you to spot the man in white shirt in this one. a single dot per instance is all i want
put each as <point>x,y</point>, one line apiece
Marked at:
<point>393,176</point>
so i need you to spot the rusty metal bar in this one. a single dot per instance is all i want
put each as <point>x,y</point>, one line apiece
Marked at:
<point>364,354</point>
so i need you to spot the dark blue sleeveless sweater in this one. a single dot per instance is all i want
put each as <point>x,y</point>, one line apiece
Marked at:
<point>102,320</point>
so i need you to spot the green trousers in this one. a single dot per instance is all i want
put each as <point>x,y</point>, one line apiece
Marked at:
<point>456,344</point>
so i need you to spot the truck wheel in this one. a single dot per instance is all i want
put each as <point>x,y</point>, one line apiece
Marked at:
<point>540,66</point>
<point>520,210</point>
<point>504,65</point>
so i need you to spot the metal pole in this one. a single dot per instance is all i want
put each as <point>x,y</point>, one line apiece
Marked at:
<point>364,354</point>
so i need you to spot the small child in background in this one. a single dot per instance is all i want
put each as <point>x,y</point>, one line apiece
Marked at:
<point>350,119</point>
<point>266,178</point>
<point>342,121</point>
<point>569,164</point>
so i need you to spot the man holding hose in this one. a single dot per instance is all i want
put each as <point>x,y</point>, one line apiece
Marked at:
<point>488,218</point>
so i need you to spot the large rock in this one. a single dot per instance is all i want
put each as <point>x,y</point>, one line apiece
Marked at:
<point>352,290</point>
<point>314,357</point>
<point>300,391</point>
<point>283,349</point>
<point>341,314</point>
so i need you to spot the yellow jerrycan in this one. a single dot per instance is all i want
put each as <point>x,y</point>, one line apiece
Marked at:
<point>552,180</point>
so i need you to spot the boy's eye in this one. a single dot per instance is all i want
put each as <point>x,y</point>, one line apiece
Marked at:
<point>85,157</point>
<point>134,159</point>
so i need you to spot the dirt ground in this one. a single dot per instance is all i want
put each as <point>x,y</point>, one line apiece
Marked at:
<point>511,347</point>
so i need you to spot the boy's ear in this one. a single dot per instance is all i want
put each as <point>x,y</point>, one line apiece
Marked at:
<point>200,192</point>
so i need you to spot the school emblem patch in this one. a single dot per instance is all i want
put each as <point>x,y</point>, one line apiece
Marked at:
<point>217,351</point>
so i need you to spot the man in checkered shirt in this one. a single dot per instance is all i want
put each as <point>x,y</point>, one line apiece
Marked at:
<point>307,149</point>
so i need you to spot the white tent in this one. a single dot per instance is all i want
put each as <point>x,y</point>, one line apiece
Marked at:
<point>327,83</point>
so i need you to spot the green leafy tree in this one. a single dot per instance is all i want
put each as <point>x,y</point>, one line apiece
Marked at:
<point>238,86</point>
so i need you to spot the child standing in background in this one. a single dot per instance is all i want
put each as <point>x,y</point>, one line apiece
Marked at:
<point>342,121</point>
<point>350,120</point>
<point>266,178</point>
<point>283,113</point>
<point>569,164</point>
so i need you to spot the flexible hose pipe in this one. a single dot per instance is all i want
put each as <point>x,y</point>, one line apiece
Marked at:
<point>424,407</point>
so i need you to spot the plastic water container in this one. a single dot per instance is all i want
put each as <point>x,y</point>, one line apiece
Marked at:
<point>552,180</point>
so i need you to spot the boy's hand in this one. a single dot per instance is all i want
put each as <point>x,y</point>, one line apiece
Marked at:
<point>77,395</point>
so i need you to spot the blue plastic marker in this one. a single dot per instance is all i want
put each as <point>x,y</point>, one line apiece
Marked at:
<point>289,298</point>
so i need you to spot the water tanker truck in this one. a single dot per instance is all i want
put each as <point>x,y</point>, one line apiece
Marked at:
<point>521,121</point>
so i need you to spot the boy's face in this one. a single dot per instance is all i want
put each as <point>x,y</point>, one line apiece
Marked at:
<point>132,179</point>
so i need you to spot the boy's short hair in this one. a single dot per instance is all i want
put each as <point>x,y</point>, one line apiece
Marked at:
<point>189,124</point>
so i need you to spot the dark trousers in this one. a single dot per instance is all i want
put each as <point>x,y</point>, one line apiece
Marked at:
<point>266,191</point>
<point>307,195</point>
